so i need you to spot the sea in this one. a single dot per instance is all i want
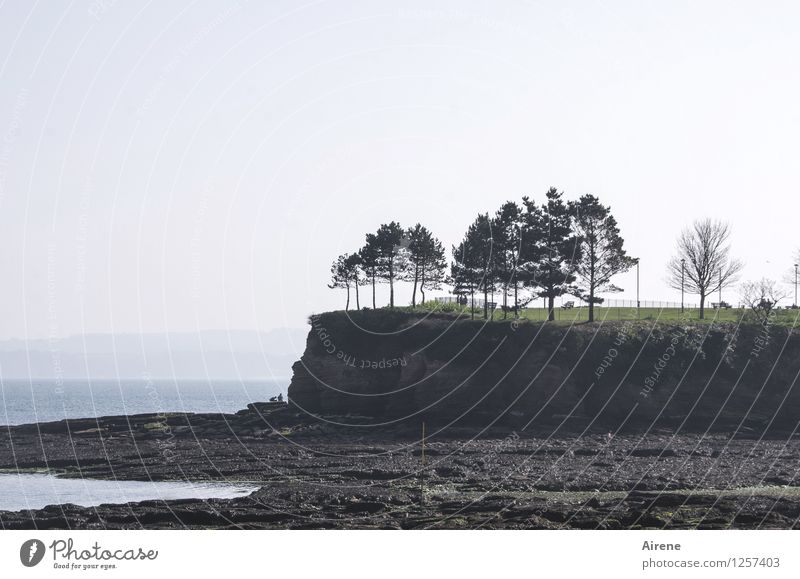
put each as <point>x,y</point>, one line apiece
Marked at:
<point>31,400</point>
<point>23,491</point>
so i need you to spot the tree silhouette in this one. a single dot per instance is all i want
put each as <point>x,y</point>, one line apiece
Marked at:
<point>342,275</point>
<point>507,235</point>
<point>427,265</point>
<point>369,261</point>
<point>602,255</point>
<point>472,267</point>
<point>762,298</point>
<point>353,267</point>
<point>703,264</point>
<point>553,246</point>
<point>392,254</point>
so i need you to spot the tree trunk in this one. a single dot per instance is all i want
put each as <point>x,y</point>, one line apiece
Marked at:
<point>592,269</point>
<point>472,304</point>
<point>516,302</point>
<point>373,288</point>
<point>505,302</point>
<point>391,287</point>
<point>358,303</point>
<point>702,305</point>
<point>485,303</point>
<point>414,293</point>
<point>347,305</point>
<point>551,312</point>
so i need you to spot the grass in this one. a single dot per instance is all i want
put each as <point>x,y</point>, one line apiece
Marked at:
<point>786,317</point>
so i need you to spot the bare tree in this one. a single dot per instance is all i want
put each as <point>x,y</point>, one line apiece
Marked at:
<point>762,297</point>
<point>703,264</point>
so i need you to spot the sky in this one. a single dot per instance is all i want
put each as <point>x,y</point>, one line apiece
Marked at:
<point>181,166</point>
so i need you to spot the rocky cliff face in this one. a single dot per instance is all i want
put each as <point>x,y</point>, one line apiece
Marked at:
<point>394,367</point>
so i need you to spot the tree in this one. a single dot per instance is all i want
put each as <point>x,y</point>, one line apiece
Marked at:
<point>482,244</point>
<point>369,261</point>
<point>471,262</point>
<point>762,297</point>
<point>418,240</point>
<point>392,253</point>
<point>553,248</point>
<point>461,280</point>
<point>704,256</point>
<point>342,275</point>
<point>427,265</point>
<point>353,268</point>
<point>602,255</point>
<point>507,235</point>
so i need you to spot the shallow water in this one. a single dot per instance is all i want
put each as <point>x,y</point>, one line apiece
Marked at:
<point>27,401</point>
<point>35,491</point>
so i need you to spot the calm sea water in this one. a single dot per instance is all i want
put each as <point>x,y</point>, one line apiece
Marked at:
<point>26,401</point>
<point>35,491</point>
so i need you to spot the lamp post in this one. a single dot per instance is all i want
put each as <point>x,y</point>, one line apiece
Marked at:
<point>683,275</point>
<point>637,288</point>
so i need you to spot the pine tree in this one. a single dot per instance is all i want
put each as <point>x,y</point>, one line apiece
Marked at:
<point>472,266</point>
<point>341,276</point>
<point>554,247</point>
<point>507,235</point>
<point>602,254</point>
<point>369,262</point>
<point>426,261</point>
<point>392,254</point>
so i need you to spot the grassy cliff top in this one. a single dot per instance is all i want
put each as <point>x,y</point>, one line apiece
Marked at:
<point>789,318</point>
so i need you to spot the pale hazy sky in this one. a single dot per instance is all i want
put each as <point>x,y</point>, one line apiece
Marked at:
<point>184,165</point>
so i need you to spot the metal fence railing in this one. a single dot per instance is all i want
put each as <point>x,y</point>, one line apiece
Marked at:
<point>614,303</point>
<point>454,300</point>
<point>607,303</point>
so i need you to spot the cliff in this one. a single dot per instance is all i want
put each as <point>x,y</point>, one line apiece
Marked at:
<point>394,367</point>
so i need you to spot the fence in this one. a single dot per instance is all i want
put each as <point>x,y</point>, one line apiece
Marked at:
<point>454,300</point>
<point>608,303</point>
<point>612,303</point>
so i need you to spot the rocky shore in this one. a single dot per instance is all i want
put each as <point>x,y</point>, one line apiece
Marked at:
<point>317,475</point>
<point>609,426</point>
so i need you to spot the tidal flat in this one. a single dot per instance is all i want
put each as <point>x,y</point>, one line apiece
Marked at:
<point>311,475</point>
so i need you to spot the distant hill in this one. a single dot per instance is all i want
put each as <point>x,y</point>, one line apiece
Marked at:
<point>210,353</point>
